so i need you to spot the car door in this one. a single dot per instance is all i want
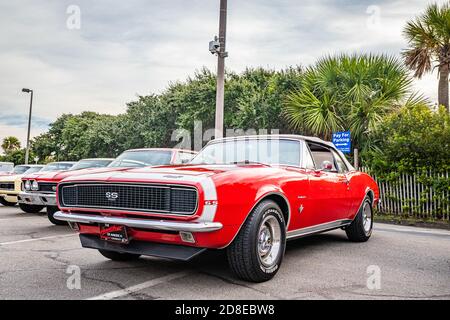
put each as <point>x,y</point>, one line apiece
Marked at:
<point>328,187</point>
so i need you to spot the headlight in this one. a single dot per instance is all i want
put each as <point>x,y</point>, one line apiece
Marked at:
<point>34,185</point>
<point>27,185</point>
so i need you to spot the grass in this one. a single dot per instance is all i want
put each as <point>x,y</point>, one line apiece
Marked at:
<point>411,221</point>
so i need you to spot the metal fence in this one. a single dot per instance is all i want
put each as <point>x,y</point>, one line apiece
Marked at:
<point>421,195</point>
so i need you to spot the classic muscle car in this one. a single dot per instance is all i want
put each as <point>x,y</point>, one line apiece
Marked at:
<point>246,194</point>
<point>10,184</point>
<point>40,189</point>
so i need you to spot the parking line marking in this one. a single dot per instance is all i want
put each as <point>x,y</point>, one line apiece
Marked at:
<point>37,239</point>
<point>139,287</point>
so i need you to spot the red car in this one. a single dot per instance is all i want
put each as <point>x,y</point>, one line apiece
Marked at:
<point>246,194</point>
<point>40,188</point>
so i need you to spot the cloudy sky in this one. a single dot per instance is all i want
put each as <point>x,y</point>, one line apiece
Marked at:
<point>119,49</point>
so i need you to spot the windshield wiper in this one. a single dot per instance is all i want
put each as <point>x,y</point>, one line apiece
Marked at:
<point>250,162</point>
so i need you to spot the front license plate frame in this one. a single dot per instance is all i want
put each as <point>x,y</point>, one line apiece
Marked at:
<point>114,233</point>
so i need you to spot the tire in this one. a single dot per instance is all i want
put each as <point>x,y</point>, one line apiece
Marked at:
<point>250,258</point>
<point>7,203</point>
<point>50,212</point>
<point>360,229</point>
<point>29,208</point>
<point>119,256</point>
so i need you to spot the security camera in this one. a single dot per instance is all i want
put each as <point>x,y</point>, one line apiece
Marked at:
<point>214,46</point>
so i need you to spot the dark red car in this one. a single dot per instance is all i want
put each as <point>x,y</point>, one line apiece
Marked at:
<point>247,195</point>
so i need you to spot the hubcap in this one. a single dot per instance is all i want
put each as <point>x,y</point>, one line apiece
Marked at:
<point>269,240</point>
<point>367,217</point>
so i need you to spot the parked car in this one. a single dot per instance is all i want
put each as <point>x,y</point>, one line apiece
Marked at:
<point>50,167</point>
<point>6,168</point>
<point>10,185</point>
<point>40,190</point>
<point>247,195</point>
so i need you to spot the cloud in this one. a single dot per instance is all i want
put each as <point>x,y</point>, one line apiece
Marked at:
<point>125,48</point>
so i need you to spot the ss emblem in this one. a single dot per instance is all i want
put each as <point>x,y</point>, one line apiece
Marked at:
<point>112,196</point>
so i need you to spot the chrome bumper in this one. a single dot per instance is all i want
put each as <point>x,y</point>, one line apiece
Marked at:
<point>141,223</point>
<point>38,199</point>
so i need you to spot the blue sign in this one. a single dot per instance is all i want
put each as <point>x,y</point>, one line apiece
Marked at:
<point>342,141</point>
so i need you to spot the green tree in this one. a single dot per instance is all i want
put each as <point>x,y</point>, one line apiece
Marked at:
<point>10,144</point>
<point>429,43</point>
<point>349,93</point>
<point>411,139</point>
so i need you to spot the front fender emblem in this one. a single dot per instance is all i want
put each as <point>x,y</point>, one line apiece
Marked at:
<point>300,209</point>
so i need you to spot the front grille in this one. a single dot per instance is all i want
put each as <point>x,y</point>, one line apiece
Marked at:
<point>147,198</point>
<point>7,185</point>
<point>47,187</point>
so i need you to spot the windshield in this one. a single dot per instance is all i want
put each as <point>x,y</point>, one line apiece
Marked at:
<point>33,170</point>
<point>84,164</point>
<point>20,169</point>
<point>56,166</point>
<point>6,167</point>
<point>142,158</point>
<point>267,151</point>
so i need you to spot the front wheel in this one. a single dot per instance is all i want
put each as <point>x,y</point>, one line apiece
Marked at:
<point>29,208</point>
<point>7,203</point>
<point>257,251</point>
<point>50,212</point>
<point>118,256</point>
<point>360,229</point>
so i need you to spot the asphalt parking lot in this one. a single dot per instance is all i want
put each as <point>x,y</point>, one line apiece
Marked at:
<point>37,259</point>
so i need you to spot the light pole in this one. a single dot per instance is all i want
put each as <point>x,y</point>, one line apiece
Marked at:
<point>27,152</point>
<point>218,47</point>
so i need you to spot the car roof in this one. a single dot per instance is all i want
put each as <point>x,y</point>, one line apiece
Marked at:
<point>93,159</point>
<point>287,137</point>
<point>69,162</point>
<point>159,149</point>
<point>274,136</point>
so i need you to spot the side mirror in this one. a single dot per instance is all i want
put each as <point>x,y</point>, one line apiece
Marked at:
<point>184,161</point>
<point>326,166</point>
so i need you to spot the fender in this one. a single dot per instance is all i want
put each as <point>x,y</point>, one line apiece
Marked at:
<point>262,194</point>
<point>367,192</point>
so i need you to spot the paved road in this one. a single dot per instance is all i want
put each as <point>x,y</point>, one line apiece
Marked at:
<point>35,256</point>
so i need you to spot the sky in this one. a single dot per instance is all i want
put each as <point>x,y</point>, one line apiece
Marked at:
<point>99,55</point>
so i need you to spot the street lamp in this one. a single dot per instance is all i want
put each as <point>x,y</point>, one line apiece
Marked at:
<point>27,152</point>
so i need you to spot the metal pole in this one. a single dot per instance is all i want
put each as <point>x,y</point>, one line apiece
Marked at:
<point>221,69</point>
<point>356,159</point>
<point>27,152</point>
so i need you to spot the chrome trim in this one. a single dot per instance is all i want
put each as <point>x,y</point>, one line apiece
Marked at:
<point>144,184</point>
<point>36,198</point>
<point>141,223</point>
<point>327,226</point>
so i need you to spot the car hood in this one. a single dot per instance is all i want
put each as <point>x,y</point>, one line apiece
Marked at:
<point>10,178</point>
<point>173,174</point>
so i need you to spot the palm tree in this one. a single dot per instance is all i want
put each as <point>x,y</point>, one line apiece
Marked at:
<point>348,93</point>
<point>10,144</point>
<point>429,39</point>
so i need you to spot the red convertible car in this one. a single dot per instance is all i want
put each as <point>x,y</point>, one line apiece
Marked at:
<point>246,194</point>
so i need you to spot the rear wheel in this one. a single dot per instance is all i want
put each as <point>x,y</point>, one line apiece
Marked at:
<point>29,208</point>
<point>257,251</point>
<point>119,256</point>
<point>360,229</point>
<point>7,203</point>
<point>50,212</point>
